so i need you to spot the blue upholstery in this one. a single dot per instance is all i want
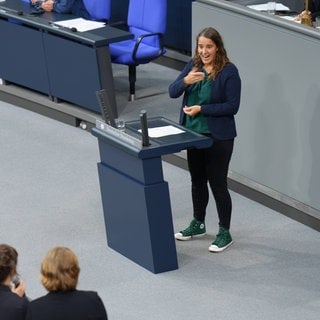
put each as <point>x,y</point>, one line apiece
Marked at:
<point>98,9</point>
<point>147,22</point>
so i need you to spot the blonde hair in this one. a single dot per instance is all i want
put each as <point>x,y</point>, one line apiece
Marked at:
<point>60,270</point>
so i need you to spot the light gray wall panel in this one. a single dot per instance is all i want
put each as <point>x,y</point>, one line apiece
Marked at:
<point>278,122</point>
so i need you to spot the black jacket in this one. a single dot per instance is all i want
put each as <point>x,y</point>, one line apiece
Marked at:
<point>76,304</point>
<point>12,307</point>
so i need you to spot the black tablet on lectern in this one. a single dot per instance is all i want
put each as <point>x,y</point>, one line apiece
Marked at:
<point>105,106</point>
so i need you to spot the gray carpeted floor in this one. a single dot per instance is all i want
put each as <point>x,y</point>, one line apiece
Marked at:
<point>49,195</point>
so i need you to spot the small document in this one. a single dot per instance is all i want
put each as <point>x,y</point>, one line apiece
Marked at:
<point>290,18</point>
<point>264,7</point>
<point>163,131</point>
<point>80,24</point>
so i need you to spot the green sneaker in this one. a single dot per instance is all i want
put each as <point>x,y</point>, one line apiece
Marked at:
<point>195,229</point>
<point>223,241</point>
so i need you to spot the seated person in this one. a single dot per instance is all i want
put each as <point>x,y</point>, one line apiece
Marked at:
<point>13,304</point>
<point>59,275</point>
<point>314,10</point>
<point>76,7</point>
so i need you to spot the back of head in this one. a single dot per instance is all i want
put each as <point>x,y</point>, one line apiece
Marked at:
<point>60,270</point>
<point>8,261</point>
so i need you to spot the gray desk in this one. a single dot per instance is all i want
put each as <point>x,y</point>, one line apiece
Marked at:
<point>277,150</point>
<point>65,65</point>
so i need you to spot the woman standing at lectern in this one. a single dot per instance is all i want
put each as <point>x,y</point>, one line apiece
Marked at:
<point>211,87</point>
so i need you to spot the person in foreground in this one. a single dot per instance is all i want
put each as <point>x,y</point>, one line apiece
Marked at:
<point>13,303</point>
<point>211,89</point>
<point>59,275</point>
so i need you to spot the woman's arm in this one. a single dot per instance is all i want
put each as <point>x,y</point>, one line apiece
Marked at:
<point>228,94</point>
<point>177,88</point>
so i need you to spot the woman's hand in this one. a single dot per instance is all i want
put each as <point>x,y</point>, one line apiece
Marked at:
<point>20,290</point>
<point>193,76</point>
<point>192,111</point>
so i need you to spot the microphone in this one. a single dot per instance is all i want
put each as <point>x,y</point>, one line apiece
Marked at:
<point>144,128</point>
<point>57,26</point>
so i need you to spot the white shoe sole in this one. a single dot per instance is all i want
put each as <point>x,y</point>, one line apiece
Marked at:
<point>214,248</point>
<point>181,237</point>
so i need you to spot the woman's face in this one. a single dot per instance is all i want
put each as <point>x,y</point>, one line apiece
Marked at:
<point>207,50</point>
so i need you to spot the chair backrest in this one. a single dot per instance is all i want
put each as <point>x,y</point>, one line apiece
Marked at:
<point>98,9</point>
<point>147,16</point>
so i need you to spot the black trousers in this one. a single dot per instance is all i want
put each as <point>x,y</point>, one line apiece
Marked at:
<point>211,165</point>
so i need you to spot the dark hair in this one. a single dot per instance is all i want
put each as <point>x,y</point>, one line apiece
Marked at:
<point>60,270</point>
<point>221,55</point>
<point>8,261</point>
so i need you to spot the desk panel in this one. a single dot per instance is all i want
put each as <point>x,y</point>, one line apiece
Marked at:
<point>69,66</point>
<point>22,58</point>
<point>73,71</point>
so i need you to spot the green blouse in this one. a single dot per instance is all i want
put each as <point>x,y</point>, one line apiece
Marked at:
<point>200,94</point>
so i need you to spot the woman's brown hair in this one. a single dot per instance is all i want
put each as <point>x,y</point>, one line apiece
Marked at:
<point>221,55</point>
<point>8,261</point>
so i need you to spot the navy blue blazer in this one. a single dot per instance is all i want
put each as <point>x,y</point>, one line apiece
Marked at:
<point>76,304</point>
<point>225,100</point>
<point>12,307</point>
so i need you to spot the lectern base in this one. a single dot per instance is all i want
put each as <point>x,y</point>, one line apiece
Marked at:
<point>138,220</point>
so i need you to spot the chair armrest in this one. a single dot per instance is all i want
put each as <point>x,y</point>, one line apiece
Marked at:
<point>139,40</point>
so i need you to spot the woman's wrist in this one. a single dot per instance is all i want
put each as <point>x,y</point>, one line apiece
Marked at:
<point>185,82</point>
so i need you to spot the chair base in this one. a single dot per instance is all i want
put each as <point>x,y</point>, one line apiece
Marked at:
<point>132,80</point>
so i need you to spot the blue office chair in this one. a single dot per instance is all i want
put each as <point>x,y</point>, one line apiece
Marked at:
<point>147,22</point>
<point>99,10</point>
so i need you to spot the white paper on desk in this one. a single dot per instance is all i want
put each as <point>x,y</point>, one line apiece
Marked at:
<point>163,131</point>
<point>265,7</point>
<point>290,18</point>
<point>80,24</point>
